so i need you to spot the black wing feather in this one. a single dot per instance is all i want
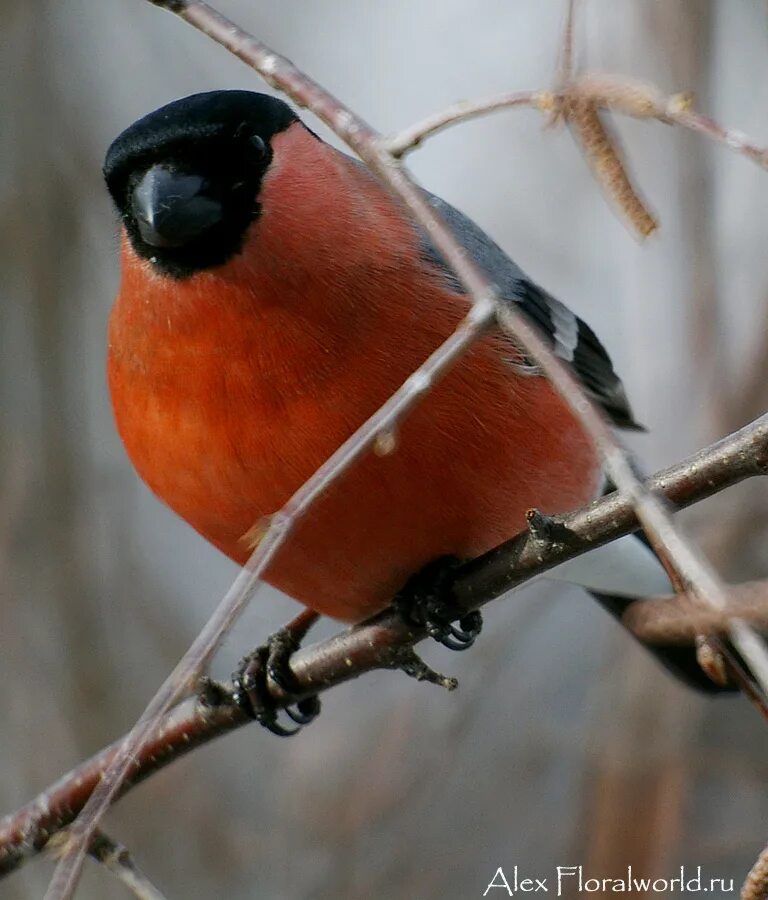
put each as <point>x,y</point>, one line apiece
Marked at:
<point>572,339</point>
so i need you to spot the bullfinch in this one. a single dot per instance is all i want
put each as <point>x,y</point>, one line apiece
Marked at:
<point>273,295</point>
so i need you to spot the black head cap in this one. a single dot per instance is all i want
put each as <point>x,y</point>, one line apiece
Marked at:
<point>186,177</point>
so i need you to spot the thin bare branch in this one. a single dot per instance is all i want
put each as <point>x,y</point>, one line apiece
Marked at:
<point>566,65</point>
<point>377,644</point>
<point>117,858</point>
<point>410,138</point>
<point>617,93</point>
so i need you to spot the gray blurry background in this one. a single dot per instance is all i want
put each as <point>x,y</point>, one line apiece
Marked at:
<point>565,744</point>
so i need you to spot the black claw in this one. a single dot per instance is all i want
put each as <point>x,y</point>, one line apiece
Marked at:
<point>304,711</point>
<point>468,629</point>
<point>251,692</point>
<point>461,636</point>
<point>422,602</point>
<point>275,727</point>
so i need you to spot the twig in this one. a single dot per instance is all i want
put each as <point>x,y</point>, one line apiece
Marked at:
<point>373,645</point>
<point>117,858</point>
<point>282,74</point>
<point>616,93</point>
<point>566,65</point>
<point>27,832</point>
<point>410,138</point>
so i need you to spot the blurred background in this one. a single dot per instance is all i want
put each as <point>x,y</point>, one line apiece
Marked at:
<point>565,743</point>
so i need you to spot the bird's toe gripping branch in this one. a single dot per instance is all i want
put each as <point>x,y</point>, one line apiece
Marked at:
<point>423,601</point>
<point>251,690</point>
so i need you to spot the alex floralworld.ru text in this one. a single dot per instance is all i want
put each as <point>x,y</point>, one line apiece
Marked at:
<point>571,879</point>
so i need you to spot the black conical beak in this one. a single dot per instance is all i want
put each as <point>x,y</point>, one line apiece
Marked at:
<point>171,209</point>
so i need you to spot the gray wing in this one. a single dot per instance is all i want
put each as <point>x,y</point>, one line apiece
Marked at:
<point>572,339</point>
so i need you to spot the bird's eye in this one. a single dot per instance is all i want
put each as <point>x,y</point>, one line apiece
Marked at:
<point>258,146</point>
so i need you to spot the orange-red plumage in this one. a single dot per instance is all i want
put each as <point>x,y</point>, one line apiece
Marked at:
<point>273,296</point>
<point>230,387</point>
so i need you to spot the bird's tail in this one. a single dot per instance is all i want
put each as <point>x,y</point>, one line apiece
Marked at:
<point>626,570</point>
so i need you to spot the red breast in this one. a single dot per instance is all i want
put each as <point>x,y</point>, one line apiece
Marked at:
<point>231,386</point>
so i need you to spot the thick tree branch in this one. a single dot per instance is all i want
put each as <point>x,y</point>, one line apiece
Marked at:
<point>386,641</point>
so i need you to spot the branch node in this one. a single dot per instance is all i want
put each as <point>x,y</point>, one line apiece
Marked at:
<point>547,531</point>
<point>681,102</point>
<point>116,857</point>
<point>212,694</point>
<point>547,102</point>
<point>540,526</point>
<point>408,661</point>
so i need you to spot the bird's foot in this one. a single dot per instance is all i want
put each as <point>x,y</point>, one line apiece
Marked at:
<point>423,602</point>
<point>271,662</point>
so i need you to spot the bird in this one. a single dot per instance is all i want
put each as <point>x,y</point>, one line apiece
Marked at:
<point>273,295</point>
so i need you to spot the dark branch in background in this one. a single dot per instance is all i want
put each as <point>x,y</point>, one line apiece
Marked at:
<point>386,642</point>
<point>671,621</point>
<point>687,566</point>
